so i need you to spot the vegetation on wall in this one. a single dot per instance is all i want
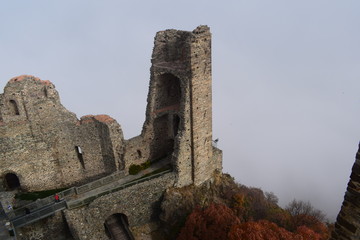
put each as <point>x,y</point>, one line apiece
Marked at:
<point>135,169</point>
<point>37,195</point>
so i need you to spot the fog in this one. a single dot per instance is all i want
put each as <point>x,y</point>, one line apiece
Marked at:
<point>285,78</point>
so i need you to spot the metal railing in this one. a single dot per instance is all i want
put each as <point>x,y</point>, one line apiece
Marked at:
<point>79,203</point>
<point>68,193</point>
<point>45,207</point>
<point>100,182</point>
<point>39,203</point>
<point>38,214</point>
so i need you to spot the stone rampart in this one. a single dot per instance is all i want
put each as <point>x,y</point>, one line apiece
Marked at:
<point>136,151</point>
<point>140,203</point>
<point>44,146</point>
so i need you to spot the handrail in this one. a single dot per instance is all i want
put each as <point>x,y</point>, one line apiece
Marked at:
<point>69,192</point>
<point>39,203</point>
<point>100,182</point>
<point>45,207</point>
<point>79,203</point>
<point>39,214</point>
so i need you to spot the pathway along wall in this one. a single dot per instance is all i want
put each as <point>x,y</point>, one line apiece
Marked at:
<point>139,203</point>
<point>347,226</point>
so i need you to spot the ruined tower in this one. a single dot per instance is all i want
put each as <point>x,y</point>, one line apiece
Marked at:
<point>347,226</point>
<point>180,100</point>
<point>42,141</point>
<point>179,112</point>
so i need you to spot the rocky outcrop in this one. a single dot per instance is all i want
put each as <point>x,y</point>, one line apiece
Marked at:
<point>347,226</point>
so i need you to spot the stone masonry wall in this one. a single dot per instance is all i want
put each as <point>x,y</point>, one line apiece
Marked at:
<point>40,140</point>
<point>347,226</point>
<point>140,203</point>
<point>179,111</point>
<point>179,103</point>
<point>47,147</point>
<point>201,98</point>
<point>171,57</point>
<point>136,151</point>
<point>54,228</point>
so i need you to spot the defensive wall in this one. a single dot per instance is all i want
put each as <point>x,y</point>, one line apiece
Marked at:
<point>347,226</point>
<point>44,146</point>
<point>139,203</point>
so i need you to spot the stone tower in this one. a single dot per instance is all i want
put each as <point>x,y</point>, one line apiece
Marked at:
<point>347,226</point>
<point>180,102</point>
<point>178,121</point>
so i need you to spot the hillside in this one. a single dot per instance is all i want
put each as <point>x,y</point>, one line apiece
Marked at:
<point>224,209</point>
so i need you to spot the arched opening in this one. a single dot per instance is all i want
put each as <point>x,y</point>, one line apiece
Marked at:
<point>117,227</point>
<point>13,108</point>
<point>168,91</point>
<point>12,181</point>
<point>163,142</point>
<point>107,232</point>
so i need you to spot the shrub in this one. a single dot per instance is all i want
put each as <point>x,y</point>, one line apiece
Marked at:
<point>212,223</point>
<point>135,169</point>
<point>37,195</point>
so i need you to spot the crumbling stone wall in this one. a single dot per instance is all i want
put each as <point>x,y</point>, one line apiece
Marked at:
<point>54,228</point>
<point>140,203</point>
<point>178,125</point>
<point>347,226</point>
<point>179,112</point>
<point>42,141</point>
<point>45,145</point>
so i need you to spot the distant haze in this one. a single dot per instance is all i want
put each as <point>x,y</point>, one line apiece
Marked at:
<point>285,78</point>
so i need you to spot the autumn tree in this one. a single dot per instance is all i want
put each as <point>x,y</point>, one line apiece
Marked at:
<point>260,230</point>
<point>303,214</point>
<point>296,208</point>
<point>212,223</point>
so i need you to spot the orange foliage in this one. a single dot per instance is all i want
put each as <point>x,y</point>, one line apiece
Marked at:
<point>219,222</point>
<point>213,223</point>
<point>254,216</point>
<point>308,234</point>
<point>303,222</point>
<point>265,230</point>
<point>261,230</point>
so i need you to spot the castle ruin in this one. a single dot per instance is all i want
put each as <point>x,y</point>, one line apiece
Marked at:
<point>44,146</point>
<point>42,141</point>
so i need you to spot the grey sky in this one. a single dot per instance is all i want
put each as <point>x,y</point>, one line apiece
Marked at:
<point>285,78</point>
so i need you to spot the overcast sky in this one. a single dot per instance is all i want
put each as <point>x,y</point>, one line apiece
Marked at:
<point>285,78</point>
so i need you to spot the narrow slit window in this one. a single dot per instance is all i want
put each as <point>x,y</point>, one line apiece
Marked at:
<point>80,156</point>
<point>139,153</point>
